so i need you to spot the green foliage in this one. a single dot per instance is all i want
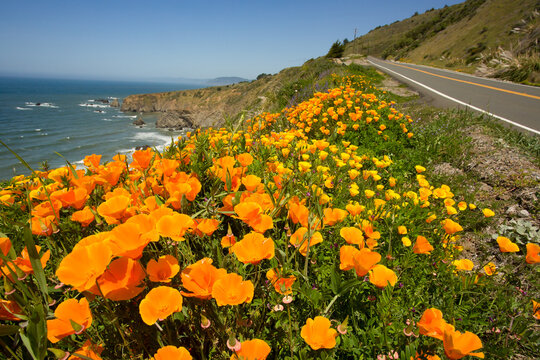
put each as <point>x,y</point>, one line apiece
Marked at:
<point>520,231</point>
<point>336,50</point>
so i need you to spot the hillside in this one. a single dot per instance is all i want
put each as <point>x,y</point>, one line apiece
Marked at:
<point>486,37</point>
<point>210,106</point>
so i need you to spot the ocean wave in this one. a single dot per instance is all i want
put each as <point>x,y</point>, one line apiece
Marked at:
<point>102,106</point>
<point>45,105</point>
<point>37,130</point>
<point>153,137</point>
<point>107,119</point>
<point>22,108</point>
<point>125,116</point>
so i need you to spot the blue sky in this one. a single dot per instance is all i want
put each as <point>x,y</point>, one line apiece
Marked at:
<point>138,40</point>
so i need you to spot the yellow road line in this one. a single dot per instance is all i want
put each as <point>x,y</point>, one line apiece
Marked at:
<point>472,83</point>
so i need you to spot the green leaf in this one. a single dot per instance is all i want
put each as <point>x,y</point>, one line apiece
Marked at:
<point>35,336</point>
<point>75,326</point>
<point>35,260</point>
<point>335,282</point>
<point>59,354</point>
<point>8,329</point>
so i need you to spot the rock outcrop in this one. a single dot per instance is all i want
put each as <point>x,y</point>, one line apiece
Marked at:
<point>191,108</point>
<point>139,121</point>
<point>175,120</point>
<point>114,103</point>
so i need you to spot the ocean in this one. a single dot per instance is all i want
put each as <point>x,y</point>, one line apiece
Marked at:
<point>42,117</point>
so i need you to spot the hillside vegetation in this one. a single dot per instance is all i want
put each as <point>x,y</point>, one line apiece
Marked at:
<point>211,106</point>
<point>489,37</point>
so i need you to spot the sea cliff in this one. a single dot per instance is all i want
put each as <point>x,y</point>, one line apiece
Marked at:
<point>211,106</point>
<point>197,108</point>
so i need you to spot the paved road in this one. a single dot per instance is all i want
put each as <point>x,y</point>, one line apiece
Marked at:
<point>518,105</point>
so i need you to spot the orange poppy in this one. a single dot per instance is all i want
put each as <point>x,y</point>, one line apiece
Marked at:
<point>254,349</point>
<point>114,209</point>
<point>488,212</point>
<point>89,351</point>
<point>127,240</point>
<point>75,197</point>
<point>84,265</point>
<point>43,226</point>
<point>318,334</point>
<point>199,278</point>
<point>506,245</point>
<point>121,280</point>
<point>432,323</point>
<point>451,227</point>
<point>92,161</point>
<point>364,260</point>
<point>425,356</point>
<point>298,213</point>
<point>86,182</point>
<point>181,185</point>
<point>463,264</point>
<point>231,289</point>
<point>168,166</point>
<point>402,230</point>
<point>533,253</point>
<point>159,303</point>
<point>372,235</point>
<point>251,182</point>
<point>206,226</point>
<point>5,246</point>
<point>174,226</point>
<point>85,216</point>
<point>490,269</point>
<point>9,310</point>
<point>46,209</point>
<point>381,276</point>
<point>172,353</point>
<point>300,241</point>
<point>355,209</point>
<point>72,317</point>
<point>282,284</point>
<point>334,216</point>
<point>23,262</point>
<point>457,345</point>
<point>252,214</point>
<point>346,256</point>
<point>162,270</point>
<point>228,241</point>
<point>352,235</point>
<point>142,158</point>
<point>422,246</point>
<point>253,248</point>
<point>245,159</point>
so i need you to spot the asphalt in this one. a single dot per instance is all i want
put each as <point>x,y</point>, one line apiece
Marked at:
<point>513,104</point>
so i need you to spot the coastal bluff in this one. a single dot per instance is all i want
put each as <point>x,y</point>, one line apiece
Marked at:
<point>211,106</point>
<point>201,107</point>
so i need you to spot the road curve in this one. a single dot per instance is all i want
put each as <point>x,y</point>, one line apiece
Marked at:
<point>514,104</point>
